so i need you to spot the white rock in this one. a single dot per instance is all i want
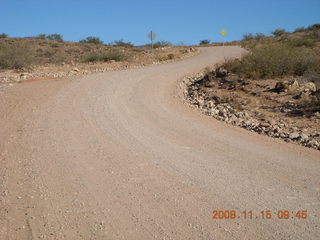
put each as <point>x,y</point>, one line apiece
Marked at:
<point>310,86</point>
<point>294,135</point>
<point>303,137</point>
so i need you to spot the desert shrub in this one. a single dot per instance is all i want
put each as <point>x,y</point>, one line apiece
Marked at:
<point>250,44</point>
<point>259,36</point>
<point>42,36</point>
<point>300,29</point>
<point>166,57</point>
<point>278,32</point>
<point>121,43</point>
<point>248,36</point>
<point>3,35</point>
<point>59,55</point>
<point>55,37</point>
<point>300,42</point>
<point>275,60</point>
<point>314,27</point>
<point>115,55</point>
<point>171,56</point>
<point>93,57</point>
<point>314,34</point>
<point>160,44</point>
<point>204,42</point>
<point>16,55</point>
<point>94,40</point>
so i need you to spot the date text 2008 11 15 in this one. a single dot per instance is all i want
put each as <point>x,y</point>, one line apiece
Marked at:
<point>263,214</point>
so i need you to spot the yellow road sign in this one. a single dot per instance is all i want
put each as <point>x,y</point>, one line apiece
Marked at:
<point>223,32</point>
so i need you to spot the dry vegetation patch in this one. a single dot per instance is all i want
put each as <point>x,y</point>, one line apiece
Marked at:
<point>28,58</point>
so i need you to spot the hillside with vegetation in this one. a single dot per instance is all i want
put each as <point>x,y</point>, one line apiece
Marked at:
<point>274,89</point>
<point>51,56</point>
<point>281,55</point>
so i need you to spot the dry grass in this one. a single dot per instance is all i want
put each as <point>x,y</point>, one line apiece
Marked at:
<point>16,56</point>
<point>17,53</point>
<point>276,60</point>
<point>24,52</point>
<point>32,53</point>
<point>115,55</point>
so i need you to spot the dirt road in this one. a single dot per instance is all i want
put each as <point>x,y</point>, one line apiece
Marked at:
<point>119,156</point>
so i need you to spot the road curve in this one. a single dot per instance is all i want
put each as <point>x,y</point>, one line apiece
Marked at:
<point>118,155</point>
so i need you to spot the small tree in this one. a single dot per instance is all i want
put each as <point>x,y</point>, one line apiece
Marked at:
<point>94,40</point>
<point>278,32</point>
<point>55,37</point>
<point>204,42</point>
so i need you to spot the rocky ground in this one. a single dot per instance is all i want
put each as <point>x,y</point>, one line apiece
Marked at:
<point>140,58</point>
<point>287,109</point>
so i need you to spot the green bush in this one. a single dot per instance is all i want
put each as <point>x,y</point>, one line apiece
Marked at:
<point>275,60</point>
<point>16,55</point>
<point>115,55</point>
<point>121,43</point>
<point>204,42</point>
<point>42,36</point>
<point>55,37</point>
<point>94,40</point>
<point>278,32</point>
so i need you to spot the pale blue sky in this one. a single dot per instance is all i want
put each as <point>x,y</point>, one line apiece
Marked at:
<point>173,20</point>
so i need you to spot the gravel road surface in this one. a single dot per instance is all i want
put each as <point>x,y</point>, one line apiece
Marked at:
<point>118,155</point>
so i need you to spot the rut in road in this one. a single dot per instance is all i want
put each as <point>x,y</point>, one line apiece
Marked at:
<point>118,155</point>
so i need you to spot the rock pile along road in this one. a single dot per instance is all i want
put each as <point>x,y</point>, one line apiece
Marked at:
<point>118,155</point>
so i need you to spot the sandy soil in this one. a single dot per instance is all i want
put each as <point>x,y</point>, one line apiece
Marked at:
<point>118,155</point>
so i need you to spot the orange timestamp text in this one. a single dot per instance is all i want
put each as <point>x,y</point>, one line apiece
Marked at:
<point>264,214</point>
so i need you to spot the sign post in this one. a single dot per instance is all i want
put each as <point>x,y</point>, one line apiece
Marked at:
<point>152,36</point>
